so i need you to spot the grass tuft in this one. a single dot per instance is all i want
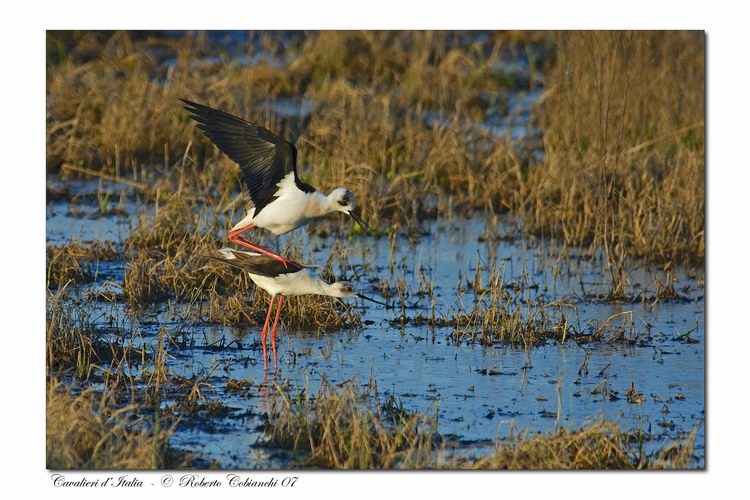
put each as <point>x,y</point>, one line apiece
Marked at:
<point>338,428</point>
<point>348,428</point>
<point>92,431</point>
<point>77,262</point>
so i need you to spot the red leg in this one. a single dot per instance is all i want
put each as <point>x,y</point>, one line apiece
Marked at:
<point>263,333</point>
<point>273,331</point>
<point>235,237</point>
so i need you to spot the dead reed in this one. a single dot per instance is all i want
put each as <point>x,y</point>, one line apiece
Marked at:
<point>602,445</point>
<point>349,428</point>
<point>77,262</point>
<point>93,431</point>
<point>623,125</point>
<point>346,429</point>
<point>396,117</point>
<point>360,132</point>
<point>74,343</point>
<point>168,258</point>
<point>489,309</point>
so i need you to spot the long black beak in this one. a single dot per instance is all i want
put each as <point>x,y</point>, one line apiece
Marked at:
<point>354,215</point>
<point>373,300</point>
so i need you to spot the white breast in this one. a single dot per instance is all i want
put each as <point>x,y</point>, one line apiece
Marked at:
<point>291,209</point>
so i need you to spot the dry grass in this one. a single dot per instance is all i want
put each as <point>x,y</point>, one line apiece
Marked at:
<point>362,131</point>
<point>599,446</point>
<point>346,428</point>
<point>74,343</point>
<point>77,262</point>
<point>91,431</point>
<point>338,428</point>
<point>118,423</point>
<point>168,259</point>
<point>622,120</point>
<point>395,119</point>
<point>167,251</point>
<point>488,309</point>
<point>624,146</point>
<point>492,318</point>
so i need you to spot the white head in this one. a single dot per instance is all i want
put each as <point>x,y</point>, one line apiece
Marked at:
<point>342,200</point>
<point>344,290</point>
<point>341,289</point>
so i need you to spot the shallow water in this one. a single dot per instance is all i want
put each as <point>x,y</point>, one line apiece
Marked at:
<point>480,391</point>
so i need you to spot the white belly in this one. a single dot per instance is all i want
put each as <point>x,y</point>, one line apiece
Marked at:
<point>284,214</point>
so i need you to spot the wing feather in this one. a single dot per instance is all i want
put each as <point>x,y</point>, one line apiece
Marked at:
<point>255,263</point>
<point>264,158</point>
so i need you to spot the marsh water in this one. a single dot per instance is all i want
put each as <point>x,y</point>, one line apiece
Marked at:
<point>481,390</point>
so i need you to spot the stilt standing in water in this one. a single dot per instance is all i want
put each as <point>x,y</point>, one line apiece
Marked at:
<point>283,279</point>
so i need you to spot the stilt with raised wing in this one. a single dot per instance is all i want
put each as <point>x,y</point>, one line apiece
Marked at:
<point>282,202</point>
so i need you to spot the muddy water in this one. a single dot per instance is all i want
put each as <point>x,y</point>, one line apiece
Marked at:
<point>480,391</point>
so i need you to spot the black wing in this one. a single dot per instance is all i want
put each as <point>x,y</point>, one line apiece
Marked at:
<point>262,265</point>
<point>264,158</point>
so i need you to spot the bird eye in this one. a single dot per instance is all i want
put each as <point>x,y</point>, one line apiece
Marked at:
<point>344,201</point>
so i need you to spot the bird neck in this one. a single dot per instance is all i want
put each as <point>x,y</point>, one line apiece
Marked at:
<point>314,285</point>
<point>320,205</point>
<point>327,289</point>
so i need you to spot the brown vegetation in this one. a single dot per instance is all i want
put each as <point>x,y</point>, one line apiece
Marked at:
<point>624,125</point>
<point>349,429</point>
<point>91,431</point>
<point>76,262</point>
<point>397,118</point>
<point>397,112</point>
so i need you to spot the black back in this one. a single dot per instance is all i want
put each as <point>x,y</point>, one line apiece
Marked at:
<point>262,265</point>
<point>264,158</point>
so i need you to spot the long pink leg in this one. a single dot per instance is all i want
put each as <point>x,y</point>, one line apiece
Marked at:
<point>263,334</point>
<point>235,237</point>
<point>273,331</point>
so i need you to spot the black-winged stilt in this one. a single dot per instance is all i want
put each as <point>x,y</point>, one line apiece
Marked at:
<point>269,168</point>
<point>283,279</point>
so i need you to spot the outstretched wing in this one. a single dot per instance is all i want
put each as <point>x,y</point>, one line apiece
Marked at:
<point>264,158</point>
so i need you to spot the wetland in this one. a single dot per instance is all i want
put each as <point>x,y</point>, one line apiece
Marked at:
<point>544,277</point>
